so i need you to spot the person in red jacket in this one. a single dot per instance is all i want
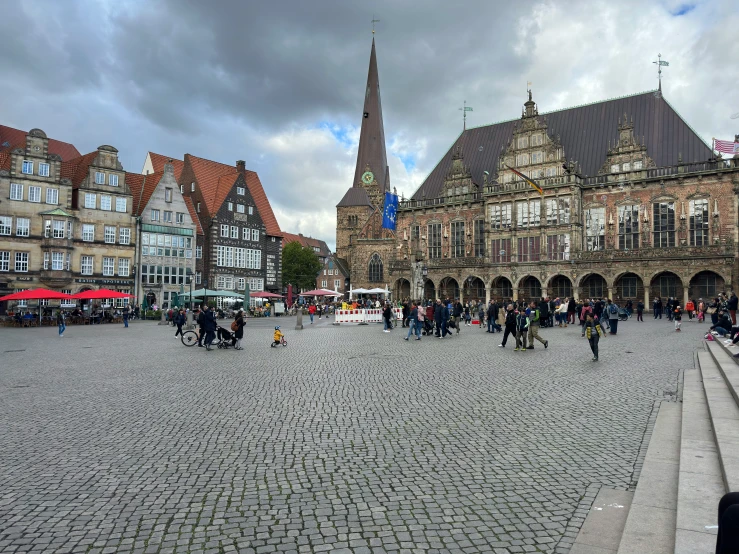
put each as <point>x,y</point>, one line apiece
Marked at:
<point>312,312</point>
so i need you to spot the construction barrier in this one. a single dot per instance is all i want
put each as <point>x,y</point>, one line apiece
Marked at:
<point>372,315</point>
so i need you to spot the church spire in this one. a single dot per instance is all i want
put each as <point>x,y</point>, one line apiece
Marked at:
<point>371,156</point>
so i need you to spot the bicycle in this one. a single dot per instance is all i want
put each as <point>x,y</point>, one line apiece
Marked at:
<point>191,337</point>
<point>283,342</point>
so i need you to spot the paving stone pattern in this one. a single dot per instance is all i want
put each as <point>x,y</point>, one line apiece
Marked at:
<point>349,440</point>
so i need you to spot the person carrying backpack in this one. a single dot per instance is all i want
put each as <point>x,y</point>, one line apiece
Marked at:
<point>534,326</point>
<point>522,329</point>
<point>510,325</point>
<point>612,313</point>
<point>587,308</point>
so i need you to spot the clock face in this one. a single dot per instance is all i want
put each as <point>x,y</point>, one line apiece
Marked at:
<point>368,177</point>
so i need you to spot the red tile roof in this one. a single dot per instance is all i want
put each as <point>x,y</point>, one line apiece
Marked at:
<point>310,242</point>
<point>142,187</point>
<point>194,215</point>
<point>5,160</point>
<point>158,161</point>
<point>263,206</point>
<point>213,179</point>
<point>17,138</point>
<point>78,168</point>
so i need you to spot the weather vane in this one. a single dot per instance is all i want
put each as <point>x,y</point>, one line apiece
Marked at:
<point>464,110</point>
<point>373,24</point>
<point>660,64</point>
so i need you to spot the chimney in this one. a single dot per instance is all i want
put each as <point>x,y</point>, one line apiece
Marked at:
<point>168,167</point>
<point>240,166</point>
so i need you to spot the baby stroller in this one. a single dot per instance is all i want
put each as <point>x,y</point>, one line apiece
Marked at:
<point>428,328</point>
<point>225,338</point>
<point>623,314</point>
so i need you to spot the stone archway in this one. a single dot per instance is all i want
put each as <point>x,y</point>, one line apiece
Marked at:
<point>402,289</point>
<point>429,290</point>
<point>529,289</point>
<point>706,284</point>
<point>501,289</point>
<point>628,286</point>
<point>666,284</point>
<point>474,289</point>
<point>448,288</point>
<point>594,286</point>
<point>560,287</point>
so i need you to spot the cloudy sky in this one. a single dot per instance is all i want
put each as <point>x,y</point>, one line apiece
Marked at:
<point>281,84</point>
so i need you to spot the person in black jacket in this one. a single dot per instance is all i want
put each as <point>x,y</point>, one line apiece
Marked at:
<point>732,306</point>
<point>458,309</point>
<point>179,320</point>
<point>492,314</point>
<point>444,320</point>
<point>387,316</point>
<point>510,325</point>
<point>571,311</point>
<point>201,326</point>
<point>239,333</point>
<point>210,327</point>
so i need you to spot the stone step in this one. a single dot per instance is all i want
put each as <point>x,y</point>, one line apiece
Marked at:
<point>727,364</point>
<point>700,483</point>
<point>602,529</point>
<point>650,523</point>
<point>724,413</point>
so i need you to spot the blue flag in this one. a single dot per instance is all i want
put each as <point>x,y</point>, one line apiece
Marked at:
<point>390,211</point>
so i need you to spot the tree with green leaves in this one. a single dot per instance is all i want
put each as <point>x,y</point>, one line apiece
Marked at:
<point>300,266</point>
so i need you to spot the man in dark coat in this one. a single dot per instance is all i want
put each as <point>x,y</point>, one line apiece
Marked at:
<point>444,321</point>
<point>210,327</point>
<point>510,324</point>
<point>571,311</point>
<point>458,309</point>
<point>438,317</point>
<point>201,326</point>
<point>492,314</point>
<point>732,305</point>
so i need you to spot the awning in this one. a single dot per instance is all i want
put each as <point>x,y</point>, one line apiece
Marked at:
<point>37,294</point>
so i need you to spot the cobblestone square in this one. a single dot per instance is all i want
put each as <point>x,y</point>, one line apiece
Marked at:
<point>349,440</point>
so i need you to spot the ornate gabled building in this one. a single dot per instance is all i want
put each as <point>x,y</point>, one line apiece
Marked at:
<point>634,205</point>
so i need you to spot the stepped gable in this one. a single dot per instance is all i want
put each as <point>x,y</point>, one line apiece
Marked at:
<point>158,161</point>
<point>585,132</point>
<point>11,138</point>
<point>142,187</point>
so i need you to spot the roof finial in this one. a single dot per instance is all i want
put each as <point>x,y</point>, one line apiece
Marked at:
<point>373,23</point>
<point>528,89</point>
<point>660,64</point>
<point>464,110</point>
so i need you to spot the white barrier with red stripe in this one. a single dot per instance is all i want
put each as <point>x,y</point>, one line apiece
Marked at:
<point>372,315</point>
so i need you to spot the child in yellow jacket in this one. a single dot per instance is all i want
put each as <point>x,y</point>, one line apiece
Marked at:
<point>278,336</point>
<point>593,332</point>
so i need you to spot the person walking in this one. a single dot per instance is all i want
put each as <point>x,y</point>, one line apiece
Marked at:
<point>179,320</point>
<point>239,331</point>
<point>445,321</point>
<point>437,318</point>
<point>387,315</point>
<point>61,322</point>
<point>587,308</point>
<point>413,325</point>
<point>534,326</point>
<point>732,305</point>
<point>458,310</point>
<point>678,315</point>
<point>481,315</point>
<point>492,314</point>
<point>201,327</point>
<point>210,327</point>
<point>571,311</point>
<point>655,307</point>
<point>522,329</point>
<point>690,308</point>
<point>593,332</point>
<point>640,311</point>
<point>311,312</point>
<point>612,309</point>
<point>510,325</point>
<point>126,313</point>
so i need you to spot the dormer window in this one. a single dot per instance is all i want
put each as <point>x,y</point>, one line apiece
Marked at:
<point>614,168</point>
<point>523,142</point>
<point>27,167</point>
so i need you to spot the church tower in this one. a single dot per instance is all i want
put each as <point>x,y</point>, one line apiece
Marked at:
<point>372,174</point>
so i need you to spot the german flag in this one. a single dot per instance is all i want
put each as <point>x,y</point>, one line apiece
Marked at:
<point>529,181</point>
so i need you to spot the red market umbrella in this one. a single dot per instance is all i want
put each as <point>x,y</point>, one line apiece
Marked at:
<point>100,294</point>
<point>265,294</point>
<point>37,294</point>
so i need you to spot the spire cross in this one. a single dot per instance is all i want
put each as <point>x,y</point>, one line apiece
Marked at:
<point>373,24</point>
<point>464,111</point>
<point>660,64</point>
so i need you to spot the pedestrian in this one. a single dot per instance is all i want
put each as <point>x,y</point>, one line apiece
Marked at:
<point>210,327</point>
<point>655,307</point>
<point>387,315</point>
<point>534,326</point>
<point>612,316</point>
<point>593,332</point>
<point>571,311</point>
<point>406,309</point>
<point>678,315</point>
<point>420,319</point>
<point>522,329</point>
<point>239,329</point>
<point>690,308</point>
<point>312,311</point>
<point>458,310</point>
<point>179,320</point>
<point>61,322</point>
<point>586,309</point>
<point>125,316</point>
<point>492,314</point>
<point>201,326</point>
<point>732,305</point>
<point>467,314</point>
<point>640,311</point>
<point>319,309</point>
<point>413,324</point>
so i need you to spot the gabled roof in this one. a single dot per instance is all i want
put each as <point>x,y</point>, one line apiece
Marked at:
<point>77,169</point>
<point>342,265</point>
<point>262,202</point>
<point>584,132</point>
<point>5,160</point>
<point>142,187</point>
<point>310,242</point>
<point>355,196</point>
<point>214,179</point>
<point>57,212</point>
<point>158,161</point>
<point>193,214</point>
<point>15,138</point>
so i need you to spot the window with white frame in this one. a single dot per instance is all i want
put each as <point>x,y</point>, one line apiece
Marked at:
<point>124,267</point>
<point>500,216</point>
<point>27,167</point>
<point>699,222</point>
<point>198,252</point>
<point>154,215</point>
<point>198,277</point>
<point>234,232</point>
<point>230,206</point>
<point>99,178</point>
<point>628,227</point>
<point>523,142</point>
<point>52,196</point>
<point>167,216</point>
<point>167,194</point>
<point>595,229</point>
<point>6,225</point>
<point>110,234</point>
<point>324,284</point>
<point>21,262</point>
<point>537,140</point>
<point>34,194</point>
<point>180,218</point>
<point>90,200</point>
<point>528,213</point>
<point>256,284</point>
<point>663,220</point>
<point>637,165</point>
<point>558,210</point>
<point>255,235</point>
<point>558,247</point>
<point>57,229</point>
<point>16,191</point>
<point>251,210</point>
<point>627,166</point>
<point>86,265</point>
<point>113,180</point>
<point>120,205</point>
<point>241,283</point>
<point>57,261</point>
<point>22,226</point>
<point>106,202</point>
<point>537,157</point>
<point>240,208</point>
<point>337,284</point>
<point>245,233</point>
<point>240,191</point>
<point>43,169</point>
<point>124,235</point>
<point>88,232</point>
<point>108,266</point>
<point>522,159</point>
<point>224,232</point>
<point>614,168</point>
<point>5,261</point>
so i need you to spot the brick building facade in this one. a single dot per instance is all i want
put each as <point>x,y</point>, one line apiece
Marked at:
<point>634,205</point>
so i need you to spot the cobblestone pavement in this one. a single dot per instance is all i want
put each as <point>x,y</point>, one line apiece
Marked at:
<point>349,440</point>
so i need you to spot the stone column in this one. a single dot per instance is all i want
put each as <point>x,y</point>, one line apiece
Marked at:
<point>610,293</point>
<point>685,296</point>
<point>647,305</point>
<point>514,291</point>
<point>543,292</point>
<point>487,294</point>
